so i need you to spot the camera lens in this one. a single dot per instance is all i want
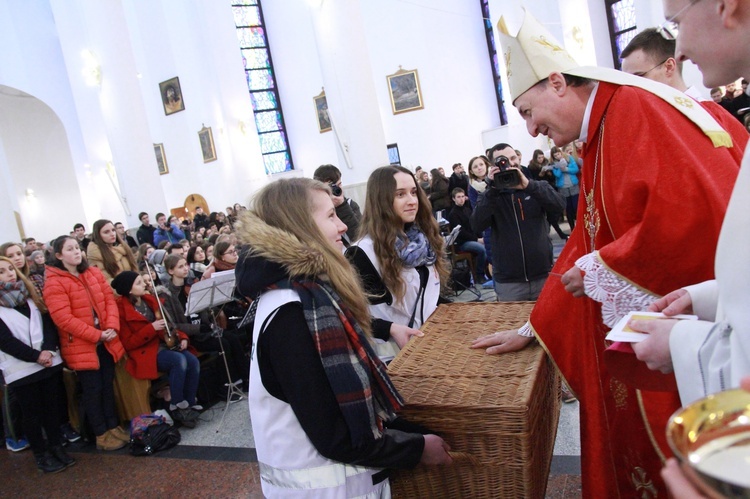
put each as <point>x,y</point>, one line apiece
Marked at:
<point>335,190</point>
<point>502,162</point>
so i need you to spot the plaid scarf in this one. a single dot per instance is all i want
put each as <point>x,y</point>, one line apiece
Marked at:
<point>13,294</point>
<point>363,390</point>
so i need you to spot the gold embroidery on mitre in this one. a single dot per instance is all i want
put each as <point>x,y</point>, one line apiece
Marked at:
<point>591,218</point>
<point>684,101</point>
<point>619,393</point>
<point>507,62</point>
<point>542,40</point>
<point>644,486</point>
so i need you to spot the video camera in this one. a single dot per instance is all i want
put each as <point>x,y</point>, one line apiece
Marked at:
<point>507,177</point>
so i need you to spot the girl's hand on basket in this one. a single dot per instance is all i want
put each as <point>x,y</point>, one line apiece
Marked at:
<point>435,451</point>
<point>402,334</point>
<point>502,342</point>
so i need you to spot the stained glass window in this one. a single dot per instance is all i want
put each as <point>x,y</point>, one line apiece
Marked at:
<point>622,26</point>
<point>261,82</point>
<point>498,84</point>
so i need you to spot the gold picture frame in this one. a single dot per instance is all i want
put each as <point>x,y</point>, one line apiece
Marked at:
<point>206,138</point>
<point>321,112</point>
<point>171,96</point>
<point>405,92</point>
<point>161,159</point>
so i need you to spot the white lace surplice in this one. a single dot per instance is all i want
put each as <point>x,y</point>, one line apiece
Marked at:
<point>617,296</point>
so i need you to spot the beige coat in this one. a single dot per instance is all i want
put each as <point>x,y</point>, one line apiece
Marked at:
<point>94,256</point>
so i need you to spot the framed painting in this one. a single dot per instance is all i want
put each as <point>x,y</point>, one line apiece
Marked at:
<point>171,96</point>
<point>208,150</point>
<point>403,87</point>
<point>321,111</point>
<point>161,159</point>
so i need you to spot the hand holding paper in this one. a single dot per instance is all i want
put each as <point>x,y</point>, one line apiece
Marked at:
<point>636,326</point>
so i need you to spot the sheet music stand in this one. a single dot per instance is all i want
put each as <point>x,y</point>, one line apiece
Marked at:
<point>205,295</point>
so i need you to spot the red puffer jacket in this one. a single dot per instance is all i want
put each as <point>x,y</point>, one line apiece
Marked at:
<point>72,302</point>
<point>140,338</point>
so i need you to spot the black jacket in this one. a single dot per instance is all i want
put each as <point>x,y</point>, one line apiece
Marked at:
<point>461,215</point>
<point>521,248</point>
<point>145,234</point>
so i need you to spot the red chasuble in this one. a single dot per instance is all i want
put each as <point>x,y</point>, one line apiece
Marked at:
<point>653,195</point>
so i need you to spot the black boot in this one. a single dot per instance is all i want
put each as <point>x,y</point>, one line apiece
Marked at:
<point>48,464</point>
<point>59,453</point>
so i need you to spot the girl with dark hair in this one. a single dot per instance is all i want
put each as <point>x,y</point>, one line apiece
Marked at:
<point>196,258</point>
<point>439,195</point>
<point>83,307</point>
<point>321,402</point>
<point>224,258</point>
<point>31,366</point>
<point>109,252</point>
<point>143,332</point>
<point>400,256</point>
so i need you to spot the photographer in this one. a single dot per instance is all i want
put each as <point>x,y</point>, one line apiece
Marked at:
<point>166,232</point>
<point>515,208</point>
<point>346,209</point>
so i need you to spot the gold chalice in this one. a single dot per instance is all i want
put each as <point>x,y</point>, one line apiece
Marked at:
<point>711,438</point>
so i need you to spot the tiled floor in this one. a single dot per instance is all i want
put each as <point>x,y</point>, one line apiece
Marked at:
<point>219,462</point>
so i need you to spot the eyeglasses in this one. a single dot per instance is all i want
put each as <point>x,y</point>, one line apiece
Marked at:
<point>231,252</point>
<point>644,73</point>
<point>669,29</point>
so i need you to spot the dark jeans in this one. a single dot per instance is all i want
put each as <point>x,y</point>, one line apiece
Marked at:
<point>98,393</point>
<point>571,208</point>
<point>40,403</point>
<point>239,365</point>
<point>183,369</point>
<point>480,256</point>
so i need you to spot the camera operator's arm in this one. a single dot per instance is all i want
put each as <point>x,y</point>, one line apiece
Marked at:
<point>487,202</point>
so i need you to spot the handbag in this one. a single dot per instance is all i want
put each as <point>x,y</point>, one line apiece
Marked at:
<point>150,434</point>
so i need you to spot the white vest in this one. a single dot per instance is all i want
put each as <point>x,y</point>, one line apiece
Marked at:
<point>29,332</point>
<point>400,312</point>
<point>290,466</point>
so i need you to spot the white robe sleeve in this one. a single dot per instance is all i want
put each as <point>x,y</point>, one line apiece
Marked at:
<point>705,298</point>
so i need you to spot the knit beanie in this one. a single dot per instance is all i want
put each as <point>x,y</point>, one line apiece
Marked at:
<point>124,282</point>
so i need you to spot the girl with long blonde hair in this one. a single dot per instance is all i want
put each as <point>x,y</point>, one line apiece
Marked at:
<point>320,399</point>
<point>399,255</point>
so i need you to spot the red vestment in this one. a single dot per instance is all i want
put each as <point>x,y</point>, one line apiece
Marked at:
<point>659,199</point>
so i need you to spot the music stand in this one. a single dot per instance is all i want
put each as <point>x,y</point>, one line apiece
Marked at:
<point>206,295</point>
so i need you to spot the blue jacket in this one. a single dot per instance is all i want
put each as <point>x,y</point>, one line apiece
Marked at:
<point>560,169</point>
<point>171,236</point>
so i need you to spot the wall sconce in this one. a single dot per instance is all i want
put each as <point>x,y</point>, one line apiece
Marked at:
<point>578,36</point>
<point>92,71</point>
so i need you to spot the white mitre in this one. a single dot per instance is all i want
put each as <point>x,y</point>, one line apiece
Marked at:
<point>532,54</point>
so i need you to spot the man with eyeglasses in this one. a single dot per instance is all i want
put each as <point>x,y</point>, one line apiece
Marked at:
<point>713,353</point>
<point>651,56</point>
<point>657,171</point>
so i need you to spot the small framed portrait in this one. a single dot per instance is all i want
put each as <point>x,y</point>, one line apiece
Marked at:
<point>405,92</point>
<point>208,150</point>
<point>321,109</point>
<point>161,159</point>
<point>171,96</point>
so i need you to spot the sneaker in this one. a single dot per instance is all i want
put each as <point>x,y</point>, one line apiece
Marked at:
<point>59,453</point>
<point>489,284</point>
<point>187,417</point>
<point>108,442</point>
<point>69,433</point>
<point>197,407</point>
<point>48,464</point>
<point>16,445</point>
<point>566,395</point>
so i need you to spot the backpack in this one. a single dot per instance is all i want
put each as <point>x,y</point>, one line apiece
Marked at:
<point>150,433</point>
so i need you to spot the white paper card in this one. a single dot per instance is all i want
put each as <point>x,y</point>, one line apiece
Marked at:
<point>621,331</point>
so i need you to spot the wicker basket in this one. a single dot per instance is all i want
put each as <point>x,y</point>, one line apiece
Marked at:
<point>498,413</point>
